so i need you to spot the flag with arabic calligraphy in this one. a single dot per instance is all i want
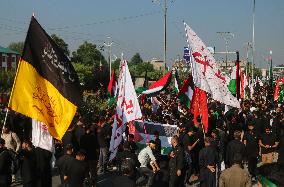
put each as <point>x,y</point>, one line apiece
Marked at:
<point>206,73</point>
<point>127,108</point>
<point>46,86</point>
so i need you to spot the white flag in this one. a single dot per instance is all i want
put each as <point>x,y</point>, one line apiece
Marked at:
<point>127,108</point>
<point>41,137</point>
<point>206,73</point>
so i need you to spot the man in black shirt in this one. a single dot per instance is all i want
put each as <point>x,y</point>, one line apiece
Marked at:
<point>5,165</point>
<point>268,143</point>
<point>27,164</point>
<point>89,143</point>
<point>234,147</point>
<point>251,143</point>
<point>176,164</point>
<point>103,144</point>
<point>132,144</point>
<point>190,142</point>
<point>157,151</point>
<point>78,170</point>
<point>125,180</point>
<point>208,158</point>
<point>64,162</point>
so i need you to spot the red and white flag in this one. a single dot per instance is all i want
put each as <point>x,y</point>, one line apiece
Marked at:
<point>127,108</point>
<point>159,85</point>
<point>206,73</point>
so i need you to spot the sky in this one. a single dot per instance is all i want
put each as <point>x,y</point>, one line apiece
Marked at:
<point>137,25</point>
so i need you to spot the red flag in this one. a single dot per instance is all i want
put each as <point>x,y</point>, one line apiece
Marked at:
<point>277,88</point>
<point>111,84</point>
<point>199,107</point>
<point>242,93</point>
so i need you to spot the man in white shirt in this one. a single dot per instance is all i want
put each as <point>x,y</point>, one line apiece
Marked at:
<point>146,157</point>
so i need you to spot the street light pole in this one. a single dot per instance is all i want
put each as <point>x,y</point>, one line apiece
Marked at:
<point>165,33</point>
<point>108,45</point>
<point>271,70</point>
<point>253,43</point>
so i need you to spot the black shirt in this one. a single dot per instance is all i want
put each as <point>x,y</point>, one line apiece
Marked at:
<point>234,147</point>
<point>102,137</point>
<point>89,143</point>
<point>64,163</point>
<point>28,165</point>
<point>77,173</point>
<point>251,138</point>
<point>268,139</point>
<point>123,181</point>
<point>188,141</point>
<point>176,163</point>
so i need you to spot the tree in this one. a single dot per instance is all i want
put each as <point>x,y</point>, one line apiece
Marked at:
<point>136,59</point>
<point>88,54</point>
<point>17,46</point>
<point>61,43</point>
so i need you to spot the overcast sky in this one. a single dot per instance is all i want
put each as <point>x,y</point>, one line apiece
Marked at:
<point>137,25</point>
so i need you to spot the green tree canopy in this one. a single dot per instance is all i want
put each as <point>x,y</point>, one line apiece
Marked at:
<point>17,46</point>
<point>136,59</point>
<point>61,43</point>
<point>88,54</point>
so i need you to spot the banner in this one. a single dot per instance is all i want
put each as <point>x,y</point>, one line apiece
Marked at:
<point>146,131</point>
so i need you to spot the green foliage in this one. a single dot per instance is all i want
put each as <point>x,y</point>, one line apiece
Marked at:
<point>136,59</point>
<point>88,54</point>
<point>93,103</point>
<point>6,81</point>
<point>85,74</point>
<point>61,43</point>
<point>17,46</point>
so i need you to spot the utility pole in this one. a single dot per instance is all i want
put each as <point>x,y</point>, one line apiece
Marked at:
<point>165,11</point>
<point>253,43</point>
<point>108,45</point>
<point>226,36</point>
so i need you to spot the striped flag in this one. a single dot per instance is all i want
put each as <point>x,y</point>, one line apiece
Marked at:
<point>159,85</point>
<point>186,92</point>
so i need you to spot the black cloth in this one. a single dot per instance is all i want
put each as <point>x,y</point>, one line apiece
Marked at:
<point>176,163</point>
<point>157,150</point>
<point>234,147</point>
<point>79,132</point>
<point>268,139</point>
<point>28,166</point>
<point>5,168</point>
<point>64,164</point>
<point>43,167</point>
<point>69,138</point>
<point>123,155</point>
<point>124,181</point>
<point>89,143</point>
<point>281,151</point>
<point>77,173</point>
<point>207,156</point>
<point>251,138</point>
<point>133,146</point>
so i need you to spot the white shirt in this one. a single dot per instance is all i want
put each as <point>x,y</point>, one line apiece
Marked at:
<point>145,156</point>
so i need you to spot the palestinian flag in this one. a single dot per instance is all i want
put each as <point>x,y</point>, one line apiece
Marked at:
<point>46,86</point>
<point>159,85</point>
<point>144,132</point>
<point>186,92</point>
<point>177,81</point>
<point>279,91</point>
<point>234,81</point>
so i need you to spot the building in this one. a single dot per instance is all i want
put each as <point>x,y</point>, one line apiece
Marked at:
<point>8,59</point>
<point>157,64</point>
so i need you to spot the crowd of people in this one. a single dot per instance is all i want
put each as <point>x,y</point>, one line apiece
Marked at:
<point>240,146</point>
